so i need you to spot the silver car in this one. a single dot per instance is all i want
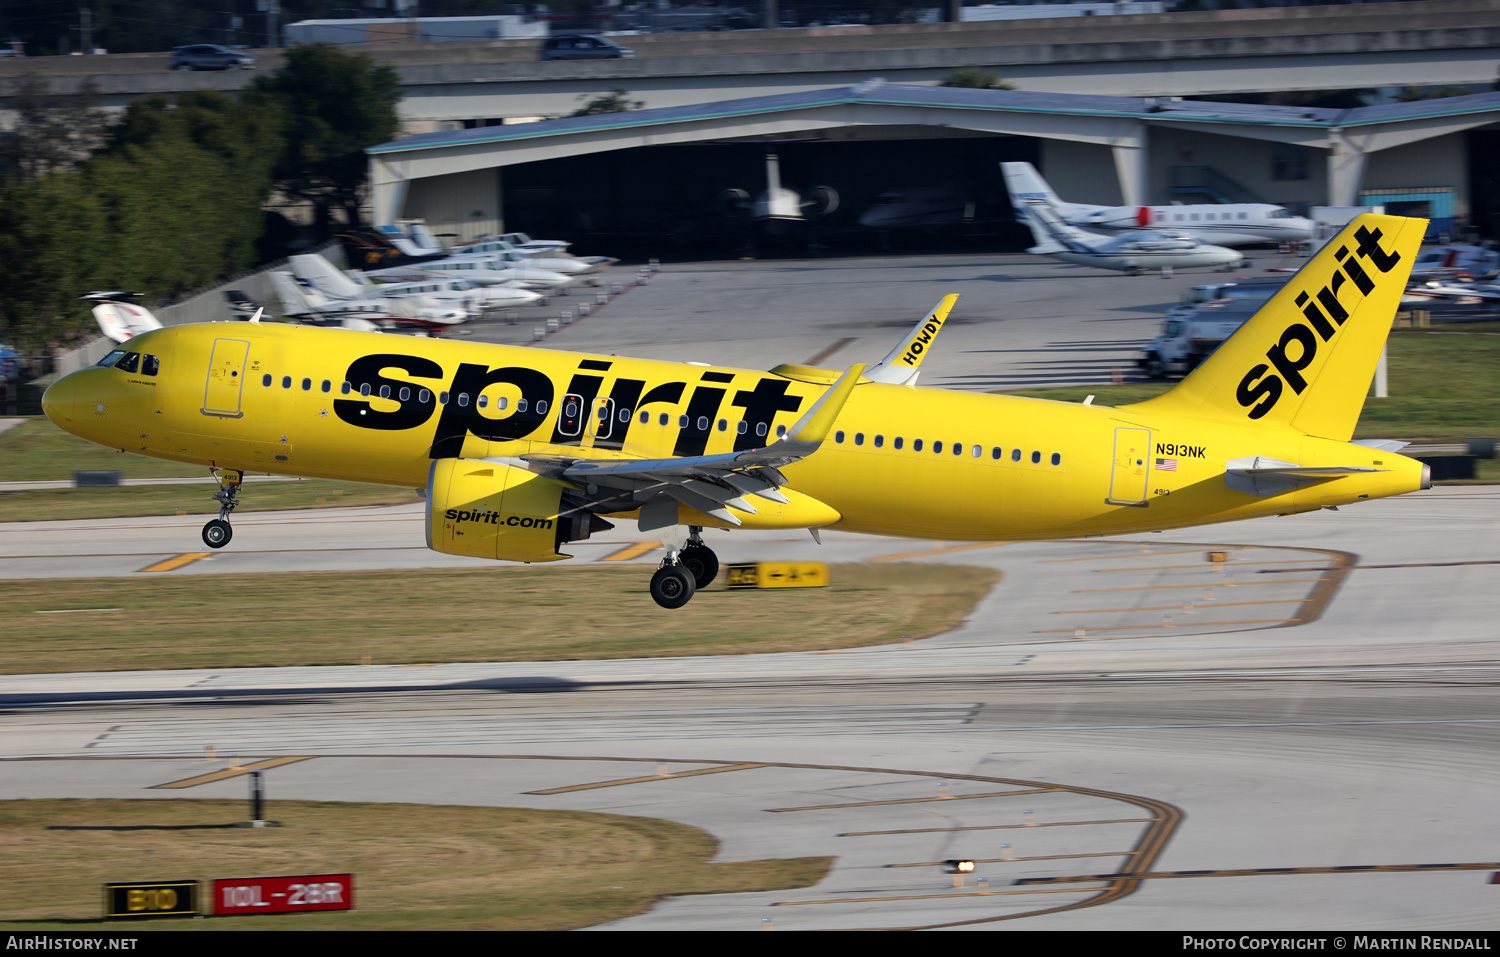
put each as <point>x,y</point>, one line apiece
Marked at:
<point>209,56</point>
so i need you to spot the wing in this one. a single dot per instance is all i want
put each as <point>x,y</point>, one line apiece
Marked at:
<point>712,484</point>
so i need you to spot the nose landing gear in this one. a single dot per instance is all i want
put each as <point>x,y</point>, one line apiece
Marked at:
<point>217,533</point>
<point>684,571</point>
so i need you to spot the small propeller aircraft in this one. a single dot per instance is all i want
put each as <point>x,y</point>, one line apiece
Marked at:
<point>519,451</point>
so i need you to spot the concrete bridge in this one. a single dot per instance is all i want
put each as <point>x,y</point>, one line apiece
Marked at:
<point>1171,54</point>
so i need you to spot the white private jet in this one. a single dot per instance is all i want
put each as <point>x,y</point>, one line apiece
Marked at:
<point>481,269</point>
<point>1451,260</point>
<point>776,206</point>
<point>118,317</point>
<point>304,302</point>
<point>1224,224</point>
<point>1131,253</point>
<point>502,251</point>
<point>917,207</point>
<point>449,293</point>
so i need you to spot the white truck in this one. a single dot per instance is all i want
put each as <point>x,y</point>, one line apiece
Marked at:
<point>1208,315</point>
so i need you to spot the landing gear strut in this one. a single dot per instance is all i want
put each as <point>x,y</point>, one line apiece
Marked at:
<point>684,571</point>
<point>217,533</point>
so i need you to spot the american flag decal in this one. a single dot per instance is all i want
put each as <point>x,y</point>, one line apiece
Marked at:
<point>1166,465</point>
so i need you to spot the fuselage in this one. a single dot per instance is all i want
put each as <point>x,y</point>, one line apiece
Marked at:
<point>928,463</point>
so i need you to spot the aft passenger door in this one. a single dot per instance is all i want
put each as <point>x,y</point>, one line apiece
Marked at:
<point>1127,480</point>
<point>226,378</point>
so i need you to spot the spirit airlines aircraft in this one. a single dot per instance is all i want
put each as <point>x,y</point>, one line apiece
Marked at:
<point>1225,224</point>
<point>521,450</point>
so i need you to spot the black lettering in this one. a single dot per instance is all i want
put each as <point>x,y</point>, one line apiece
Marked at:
<point>409,414</point>
<point>1369,248</point>
<point>760,408</point>
<point>1291,369</point>
<point>458,422</point>
<point>1267,391</point>
<point>1319,321</point>
<point>451,514</point>
<point>1361,279</point>
<point>595,365</point>
<point>718,377</point>
<point>1331,302</point>
<point>703,405</point>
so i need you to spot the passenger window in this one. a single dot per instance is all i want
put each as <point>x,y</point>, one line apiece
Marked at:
<point>702,423</point>
<point>995,453</point>
<point>838,437</point>
<point>978,451</point>
<point>879,441</point>
<point>150,365</point>
<point>112,358</point>
<point>541,406</point>
<point>463,399</point>
<point>663,419</point>
<point>265,380</point>
<point>780,431</point>
<point>482,401</point>
<point>502,402</point>
<point>682,422</point>
<point>286,382</point>
<point>385,392</point>
<point>521,406</point>
<point>723,424</point>
<point>859,438</point>
<point>422,396</point>
<point>442,398</point>
<point>327,386</point>
<point>958,448</point>
<point>624,415</point>
<point>1015,455</point>
<point>344,387</point>
<point>306,385</point>
<point>646,418</point>
<point>742,427</point>
<point>1036,458</point>
<point>405,394</point>
<point>130,363</point>
<point>916,445</point>
<point>937,448</point>
<point>896,443</point>
<point>1056,459</point>
<point>760,429</point>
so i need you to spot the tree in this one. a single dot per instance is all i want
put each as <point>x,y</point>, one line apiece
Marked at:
<point>334,105</point>
<point>51,133</point>
<point>975,78</point>
<point>615,101</point>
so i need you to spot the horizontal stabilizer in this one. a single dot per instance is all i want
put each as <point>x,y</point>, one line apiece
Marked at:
<point>1383,445</point>
<point>1263,476</point>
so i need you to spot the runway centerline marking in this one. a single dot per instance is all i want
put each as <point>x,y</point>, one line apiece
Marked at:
<point>993,827</point>
<point>1007,860</point>
<point>635,550</point>
<point>645,779</point>
<point>1270,872</point>
<point>926,800</point>
<point>226,773</point>
<point>177,561</point>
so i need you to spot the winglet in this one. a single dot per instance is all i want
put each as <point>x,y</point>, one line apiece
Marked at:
<point>901,366</point>
<point>814,426</point>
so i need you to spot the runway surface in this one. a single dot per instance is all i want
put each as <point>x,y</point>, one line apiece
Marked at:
<point>1308,725</point>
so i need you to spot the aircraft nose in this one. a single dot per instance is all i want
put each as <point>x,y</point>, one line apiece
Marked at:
<point>65,403</point>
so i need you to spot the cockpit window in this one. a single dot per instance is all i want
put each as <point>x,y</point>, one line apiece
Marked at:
<point>150,365</point>
<point>112,358</point>
<point>130,363</point>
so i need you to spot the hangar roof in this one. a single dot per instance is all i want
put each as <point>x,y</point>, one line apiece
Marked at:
<point>873,93</point>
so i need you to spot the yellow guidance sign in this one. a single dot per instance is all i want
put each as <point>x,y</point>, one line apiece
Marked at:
<point>155,899</point>
<point>778,575</point>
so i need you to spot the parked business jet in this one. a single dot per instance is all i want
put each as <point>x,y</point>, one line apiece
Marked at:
<point>118,317</point>
<point>917,207</point>
<point>775,206</point>
<point>440,292</point>
<point>482,270</point>
<point>523,450</point>
<point>1224,224</point>
<point>1131,253</point>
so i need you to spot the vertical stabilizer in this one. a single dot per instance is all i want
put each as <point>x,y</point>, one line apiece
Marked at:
<point>327,279</point>
<point>1306,358</point>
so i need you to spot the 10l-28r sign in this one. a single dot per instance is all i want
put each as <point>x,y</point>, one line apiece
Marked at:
<point>283,895</point>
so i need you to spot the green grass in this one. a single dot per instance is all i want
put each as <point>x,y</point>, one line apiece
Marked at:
<point>505,613</point>
<point>415,867</point>
<point>38,451</point>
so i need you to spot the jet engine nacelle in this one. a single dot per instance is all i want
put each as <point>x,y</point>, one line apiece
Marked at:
<point>1121,217</point>
<point>489,510</point>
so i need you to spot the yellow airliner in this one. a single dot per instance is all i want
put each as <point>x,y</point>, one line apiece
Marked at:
<point>520,450</point>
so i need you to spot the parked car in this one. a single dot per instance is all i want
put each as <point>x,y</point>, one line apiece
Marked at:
<point>581,48</point>
<point>210,56</point>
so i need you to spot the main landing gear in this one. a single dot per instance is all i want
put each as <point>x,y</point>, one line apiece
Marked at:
<point>684,571</point>
<point>217,533</point>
